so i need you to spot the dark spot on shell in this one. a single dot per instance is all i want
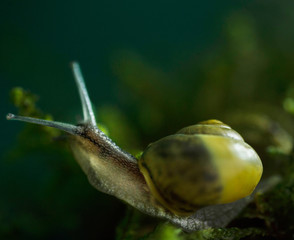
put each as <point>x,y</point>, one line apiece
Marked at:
<point>193,151</point>
<point>163,154</point>
<point>218,189</point>
<point>209,176</point>
<point>202,190</point>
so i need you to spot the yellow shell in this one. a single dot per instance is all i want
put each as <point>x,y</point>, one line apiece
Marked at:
<point>204,164</point>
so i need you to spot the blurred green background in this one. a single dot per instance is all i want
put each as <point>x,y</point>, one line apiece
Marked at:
<point>151,68</point>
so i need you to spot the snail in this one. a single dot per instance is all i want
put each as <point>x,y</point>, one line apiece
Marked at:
<point>200,177</point>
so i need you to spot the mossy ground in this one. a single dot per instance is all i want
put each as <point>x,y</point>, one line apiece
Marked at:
<point>269,216</point>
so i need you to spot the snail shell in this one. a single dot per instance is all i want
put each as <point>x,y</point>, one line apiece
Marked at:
<point>204,164</point>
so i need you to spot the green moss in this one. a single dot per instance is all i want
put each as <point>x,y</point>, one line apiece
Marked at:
<point>225,234</point>
<point>288,105</point>
<point>139,154</point>
<point>103,128</point>
<point>165,232</point>
<point>169,232</point>
<point>24,101</point>
<point>276,207</point>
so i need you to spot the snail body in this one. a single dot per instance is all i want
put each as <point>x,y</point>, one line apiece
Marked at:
<point>199,177</point>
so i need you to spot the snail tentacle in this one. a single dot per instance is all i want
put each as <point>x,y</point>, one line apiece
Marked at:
<point>69,128</point>
<point>89,116</point>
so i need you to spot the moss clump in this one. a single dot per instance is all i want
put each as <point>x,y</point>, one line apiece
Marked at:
<point>276,207</point>
<point>170,232</point>
<point>164,232</point>
<point>225,233</point>
<point>25,101</point>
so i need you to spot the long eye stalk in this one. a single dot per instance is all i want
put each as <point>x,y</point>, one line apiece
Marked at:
<point>72,129</point>
<point>88,112</point>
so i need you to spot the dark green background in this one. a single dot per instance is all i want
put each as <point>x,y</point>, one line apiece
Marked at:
<point>38,39</point>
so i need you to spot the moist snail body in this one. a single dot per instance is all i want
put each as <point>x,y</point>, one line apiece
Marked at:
<point>199,177</point>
